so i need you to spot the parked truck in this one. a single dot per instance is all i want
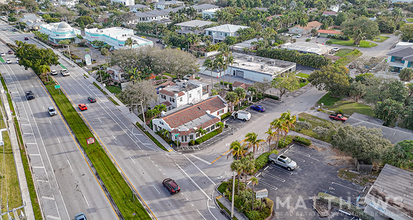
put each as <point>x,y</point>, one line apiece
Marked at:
<point>283,161</point>
<point>242,115</point>
<point>338,117</point>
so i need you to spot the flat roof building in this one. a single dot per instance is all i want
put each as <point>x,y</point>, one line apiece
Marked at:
<point>194,26</point>
<point>116,37</point>
<point>306,47</point>
<point>59,31</point>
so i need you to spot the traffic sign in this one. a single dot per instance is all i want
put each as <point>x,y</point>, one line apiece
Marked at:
<point>57,86</point>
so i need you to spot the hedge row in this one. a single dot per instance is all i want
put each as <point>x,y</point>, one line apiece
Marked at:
<point>226,115</point>
<point>303,141</point>
<point>271,96</point>
<point>208,136</point>
<point>308,59</point>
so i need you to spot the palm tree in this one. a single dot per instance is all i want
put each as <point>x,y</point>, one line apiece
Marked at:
<point>128,42</point>
<point>232,98</point>
<point>219,63</point>
<point>136,75</point>
<point>237,166</point>
<point>270,136</point>
<point>200,131</point>
<point>209,64</point>
<point>241,93</point>
<point>288,122</point>
<point>278,125</point>
<point>237,150</point>
<point>254,182</point>
<point>253,141</point>
<point>253,91</point>
<point>230,61</point>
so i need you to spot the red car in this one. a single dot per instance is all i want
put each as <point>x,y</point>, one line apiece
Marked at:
<point>338,117</point>
<point>26,38</point>
<point>82,107</point>
<point>171,186</point>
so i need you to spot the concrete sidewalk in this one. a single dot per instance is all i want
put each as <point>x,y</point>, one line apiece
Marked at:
<point>225,202</point>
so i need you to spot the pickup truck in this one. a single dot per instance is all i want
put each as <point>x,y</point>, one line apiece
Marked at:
<point>338,117</point>
<point>283,161</point>
<point>243,115</point>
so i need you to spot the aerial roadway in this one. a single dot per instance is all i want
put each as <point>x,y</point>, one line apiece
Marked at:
<point>143,163</point>
<point>64,181</point>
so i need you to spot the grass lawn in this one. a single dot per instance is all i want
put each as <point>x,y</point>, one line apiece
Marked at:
<point>302,84</point>
<point>303,75</point>
<point>314,121</point>
<point>343,52</point>
<point>114,89</point>
<point>380,38</point>
<point>409,19</point>
<point>327,100</point>
<point>118,188</point>
<point>348,107</point>
<point>350,42</point>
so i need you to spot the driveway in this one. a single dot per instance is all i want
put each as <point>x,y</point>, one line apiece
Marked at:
<point>292,190</point>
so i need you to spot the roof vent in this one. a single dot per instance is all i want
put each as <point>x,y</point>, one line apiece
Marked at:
<point>262,66</point>
<point>163,114</point>
<point>250,58</point>
<point>199,108</point>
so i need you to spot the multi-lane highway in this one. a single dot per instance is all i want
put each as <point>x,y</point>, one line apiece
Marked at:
<point>141,161</point>
<point>65,183</point>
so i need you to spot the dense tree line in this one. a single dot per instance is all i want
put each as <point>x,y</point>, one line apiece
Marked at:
<point>312,60</point>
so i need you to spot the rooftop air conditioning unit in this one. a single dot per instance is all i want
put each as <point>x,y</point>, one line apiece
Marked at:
<point>262,66</point>
<point>272,62</point>
<point>250,58</point>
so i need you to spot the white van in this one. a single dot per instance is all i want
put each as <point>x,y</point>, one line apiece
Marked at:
<point>242,115</point>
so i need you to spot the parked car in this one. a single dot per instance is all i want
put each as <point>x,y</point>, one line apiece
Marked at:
<point>187,77</point>
<point>299,35</point>
<point>17,60</point>
<point>10,52</point>
<point>8,61</point>
<point>80,216</point>
<point>335,49</point>
<point>29,95</point>
<point>171,186</point>
<point>242,115</point>
<point>3,54</point>
<point>283,161</point>
<point>53,72</point>
<point>259,108</point>
<point>52,111</point>
<point>65,72</point>
<point>26,38</point>
<point>91,99</point>
<point>82,107</point>
<point>338,117</point>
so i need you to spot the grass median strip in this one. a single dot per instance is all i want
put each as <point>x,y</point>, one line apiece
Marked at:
<point>118,188</point>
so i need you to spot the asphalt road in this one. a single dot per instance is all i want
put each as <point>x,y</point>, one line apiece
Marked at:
<point>66,185</point>
<point>141,161</point>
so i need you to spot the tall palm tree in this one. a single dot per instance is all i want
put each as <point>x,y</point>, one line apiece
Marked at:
<point>128,42</point>
<point>237,166</point>
<point>270,136</point>
<point>278,125</point>
<point>288,122</point>
<point>219,63</point>
<point>230,61</point>
<point>237,149</point>
<point>254,182</point>
<point>209,64</point>
<point>253,141</point>
<point>200,131</point>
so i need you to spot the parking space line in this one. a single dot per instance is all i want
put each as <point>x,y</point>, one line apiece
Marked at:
<point>275,177</point>
<point>268,185</point>
<point>280,169</point>
<point>332,183</point>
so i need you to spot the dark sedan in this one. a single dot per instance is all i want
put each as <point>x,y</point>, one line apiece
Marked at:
<point>259,108</point>
<point>91,99</point>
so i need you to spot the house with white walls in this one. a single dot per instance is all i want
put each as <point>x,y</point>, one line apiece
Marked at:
<point>124,2</point>
<point>219,33</point>
<point>183,93</point>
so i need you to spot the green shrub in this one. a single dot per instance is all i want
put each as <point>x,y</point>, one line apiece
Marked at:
<point>307,40</point>
<point>191,142</point>
<point>222,187</point>
<point>157,77</point>
<point>271,96</point>
<point>230,86</point>
<point>335,201</point>
<point>308,59</point>
<point>221,82</point>
<point>225,83</point>
<point>270,204</point>
<point>197,77</point>
<point>226,115</point>
<point>261,161</point>
<point>208,136</point>
<point>302,140</point>
<point>288,140</point>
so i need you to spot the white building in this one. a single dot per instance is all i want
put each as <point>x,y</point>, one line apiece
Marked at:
<point>59,31</point>
<point>135,8</point>
<point>183,93</point>
<point>116,37</point>
<point>124,2</point>
<point>167,4</point>
<point>155,15</point>
<point>208,14</point>
<point>307,47</point>
<point>194,26</point>
<point>69,3</point>
<point>204,7</point>
<point>219,33</point>
<point>183,123</point>
<point>32,21</point>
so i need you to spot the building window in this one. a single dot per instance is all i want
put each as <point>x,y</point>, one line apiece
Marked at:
<point>221,111</point>
<point>191,136</point>
<point>172,99</point>
<point>197,135</point>
<point>212,127</point>
<point>190,95</point>
<point>163,97</point>
<point>180,99</point>
<point>208,129</point>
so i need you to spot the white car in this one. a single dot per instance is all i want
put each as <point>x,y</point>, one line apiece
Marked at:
<point>8,61</point>
<point>335,49</point>
<point>298,36</point>
<point>17,60</point>
<point>53,72</point>
<point>3,54</point>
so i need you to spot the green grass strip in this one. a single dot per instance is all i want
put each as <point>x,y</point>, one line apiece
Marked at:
<point>8,96</point>
<point>151,137</point>
<point>97,86</point>
<point>63,66</point>
<point>118,188</point>
<point>2,60</point>
<point>225,208</point>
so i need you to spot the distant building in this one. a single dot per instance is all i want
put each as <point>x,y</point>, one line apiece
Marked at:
<point>219,33</point>
<point>305,30</point>
<point>194,26</point>
<point>115,73</point>
<point>401,1</point>
<point>69,3</point>
<point>183,123</point>
<point>390,197</point>
<point>210,13</point>
<point>59,31</point>
<point>32,21</point>
<point>153,16</point>
<point>205,7</point>
<point>167,4</point>
<point>184,92</point>
<point>307,47</point>
<point>399,58</point>
<point>326,33</point>
<point>124,2</point>
<point>272,17</point>
<point>116,37</point>
<point>329,13</point>
<point>249,44</point>
<point>135,8</point>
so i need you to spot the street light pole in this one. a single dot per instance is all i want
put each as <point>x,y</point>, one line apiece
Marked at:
<point>143,116</point>
<point>233,192</point>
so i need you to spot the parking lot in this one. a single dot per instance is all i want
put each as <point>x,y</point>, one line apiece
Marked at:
<point>292,190</point>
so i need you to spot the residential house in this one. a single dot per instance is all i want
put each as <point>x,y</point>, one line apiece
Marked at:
<point>116,73</point>
<point>32,21</point>
<point>184,92</point>
<point>390,197</point>
<point>59,31</point>
<point>153,16</point>
<point>183,123</point>
<point>219,33</point>
<point>248,44</point>
<point>305,30</point>
<point>69,3</point>
<point>237,84</point>
<point>116,37</point>
<point>326,33</point>
<point>124,2</point>
<point>205,7</point>
<point>139,7</point>
<point>307,47</point>
<point>272,17</point>
<point>194,26</point>
<point>329,13</point>
<point>168,4</point>
<point>210,13</point>
<point>399,58</point>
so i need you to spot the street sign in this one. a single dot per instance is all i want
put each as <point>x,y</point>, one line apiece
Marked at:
<point>57,86</point>
<point>90,140</point>
<point>261,194</point>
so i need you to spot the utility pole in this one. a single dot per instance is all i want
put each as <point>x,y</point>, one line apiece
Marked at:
<point>143,116</point>
<point>233,192</point>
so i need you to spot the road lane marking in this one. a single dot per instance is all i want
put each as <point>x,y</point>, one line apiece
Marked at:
<point>220,156</point>
<point>200,170</point>
<point>201,159</point>
<point>156,189</point>
<point>46,197</point>
<point>58,140</point>
<point>193,181</point>
<point>85,199</point>
<point>70,166</point>
<point>53,217</point>
<point>132,160</point>
<point>201,214</point>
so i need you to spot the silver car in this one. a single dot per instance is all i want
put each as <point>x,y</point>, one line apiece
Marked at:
<point>52,111</point>
<point>283,161</point>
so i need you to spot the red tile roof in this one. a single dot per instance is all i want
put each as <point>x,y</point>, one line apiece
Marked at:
<point>181,93</point>
<point>166,103</point>
<point>152,76</point>
<point>196,111</point>
<point>310,25</point>
<point>240,84</point>
<point>329,32</point>
<point>167,92</point>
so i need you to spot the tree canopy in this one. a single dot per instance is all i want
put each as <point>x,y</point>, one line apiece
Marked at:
<point>360,28</point>
<point>286,82</point>
<point>334,79</point>
<point>39,59</point>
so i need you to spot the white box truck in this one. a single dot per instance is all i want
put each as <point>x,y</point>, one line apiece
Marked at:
<point>242,115</point>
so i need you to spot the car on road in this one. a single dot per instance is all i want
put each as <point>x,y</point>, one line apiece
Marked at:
<point>335,49</point>
<point>10,52</point>
<point>283,161</point>
<point>52,111</point>
<point>171,186</point>
<point>65,72</point>
<point>80,216</point>
<point>29,95</point>
<point>82,107</point>
<point>17,60</point>
<point>3,54</point>
<point>91,99</point>
<point>53,72</point>
<point>242,115</point>
<point>259,108</point>
<point>299,35</point>
<point>338,117</point>
<point>8,61</point>
<point>26,38</point>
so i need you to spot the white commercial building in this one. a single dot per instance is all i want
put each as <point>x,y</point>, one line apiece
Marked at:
<point>307,47</point>
<point>219,33</point>
<point>167,4</point>
<point>124,2</point>
<point>59,31</point>
<point>155,15</point>
<point>116,37</point>
<point>69,3</point>
<point>183,93</point>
